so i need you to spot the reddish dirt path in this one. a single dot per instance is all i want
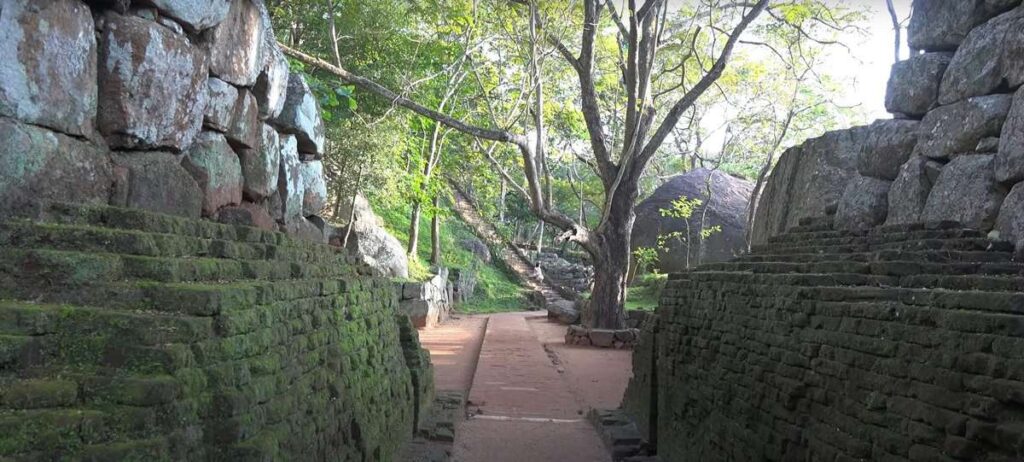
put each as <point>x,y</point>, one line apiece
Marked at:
<point>454,348</point>
<point>524,407</point>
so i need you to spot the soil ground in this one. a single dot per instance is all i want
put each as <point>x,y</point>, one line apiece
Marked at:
<point>528,392</point>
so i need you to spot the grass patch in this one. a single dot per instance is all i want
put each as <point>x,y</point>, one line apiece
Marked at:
<point>645,292</point>
<point>496,290</point>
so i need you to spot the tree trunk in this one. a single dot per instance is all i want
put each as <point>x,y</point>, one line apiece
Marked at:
<point>414,229</point>
<point>435,234</point>
<point>611,266</point>
<point>501,201</point>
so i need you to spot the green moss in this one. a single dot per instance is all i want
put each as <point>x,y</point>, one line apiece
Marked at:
<point>38,393</point>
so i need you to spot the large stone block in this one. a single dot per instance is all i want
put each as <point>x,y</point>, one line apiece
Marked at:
<point>305,230</point>
<point>261,166</point>
<point>217,170</point>
<point>1010,222</point>
<point>1010,156</point>
<point>314,188</point>
<point>247,214</point>
<point>272,84</point>
<point>942,25</point>
<point>39,165</point>
<point>194,15</point>
<point>152,86</point>
<point>887,146</point>
<point>913,87</point>
<point>909,193</point>
<point>966,192</point>
<point>958,128</point>
<point>48,75</point>
<point>220,105</point>
<point>289,180</point>
<point>301,116</point>
<point>245,123</point>
<point>987,60</point>
<point>234,45</point>
<point>156,181</point>
<point>864,204</point>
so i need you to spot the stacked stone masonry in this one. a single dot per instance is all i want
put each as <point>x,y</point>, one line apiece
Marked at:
<point>126,335</point>
<point>954,151</point>
<point>901,343</point>
<point>173,106</point>
<point>428,303</point>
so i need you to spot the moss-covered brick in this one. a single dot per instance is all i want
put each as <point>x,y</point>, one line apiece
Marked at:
<point>151,449</point>
<point>38,393</point>
<point>182,270</point>
<point>200,299</point>
<point>131,391</point>
<point>42,269</point>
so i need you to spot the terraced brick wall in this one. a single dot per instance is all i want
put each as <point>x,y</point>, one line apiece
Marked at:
<point>126,335</point>
<point>899,343</point>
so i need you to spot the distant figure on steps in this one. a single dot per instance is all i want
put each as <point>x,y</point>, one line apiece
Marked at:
<point>537,273</point>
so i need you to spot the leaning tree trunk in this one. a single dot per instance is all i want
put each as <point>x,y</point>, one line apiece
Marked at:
<point>611,266</point>
<point>414,229</point>
<point>435,234</point>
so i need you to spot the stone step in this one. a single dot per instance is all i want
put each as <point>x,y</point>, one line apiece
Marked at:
<point>846,238</point>
<point>23,234</point>
<point>882,268</point>
<point>964,244</point>
<point>929,256</point>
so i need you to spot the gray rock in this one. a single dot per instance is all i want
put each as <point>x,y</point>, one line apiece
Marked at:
<point>302,229</point>
<point>245,123</point>
<point>272,84</point>
<point>314,188</point>
<point>887,146</point>
<point>909,193</point>
<point>171,24</point>
<point>152,86</point>
<point>289,180</point>
<point>1009,162</point>
<point>247,214</point>
<point>807,182</point>
<point>939,25</point>
<point>563,311</point>
<point>220,105</point>
<point>957,128</point>
<point>913,87</point>
<point>602,338</point>
<point>1010,222</point>
<point>370,242</point>
<point>156,181</point>
<point>217,170</point>
<point>48,75</point>
<point>477,248</point>
<point>301,117</point>
<point>988,60</point>
<point>195,15</point>
<point>120,6</point>
<point>967,193</point>
<point>864,204</point>
<point>988,145</point>
<point>261,166</point>
<point>726,208</point>
<point>234,44</point>
<point>38,165</point>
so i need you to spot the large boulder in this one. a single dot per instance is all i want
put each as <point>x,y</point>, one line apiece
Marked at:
<point>247,214</point>
<point>1009,161</point>
<point>966,192</point>
<point>1010,223</point>
<point>217,170</point>
<point>807,182</point>
<point>222,97</point>
<point>726,207</point>
<point>301,117</point>
<point>261,166</point>
<point>913,87</point>
<point>272,83</point>
<point>194,15</point>
<point>289,181</point>
<point>887,146</point>
<point>958,128</point>
<point>864,204</point>
<point>477,247</point>
<point>245,123</point>
<point>370,242</point>
<point>987,60</point>
<point>152,86</point>
<point>38,165</point>
<point>314,188</point>
<point>305,230</point>
<point>48,75</point>
<point>234,45</point>
<point>909,193</point>
<point>157,182</point>
<point>939,25</point>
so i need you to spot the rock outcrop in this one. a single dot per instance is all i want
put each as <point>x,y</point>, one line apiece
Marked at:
<point>168,104</point>
<point>727,207</point>
<point>965,97</point>
<point>370,241</point>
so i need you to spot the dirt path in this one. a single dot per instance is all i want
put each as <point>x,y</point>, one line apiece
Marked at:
<point>454,348</point>
<point>528,403</point>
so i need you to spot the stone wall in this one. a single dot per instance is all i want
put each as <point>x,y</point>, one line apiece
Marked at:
<point>953,151</point>
<point>173,106</point>
<point>133,336</point>
<point>428,303</point>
